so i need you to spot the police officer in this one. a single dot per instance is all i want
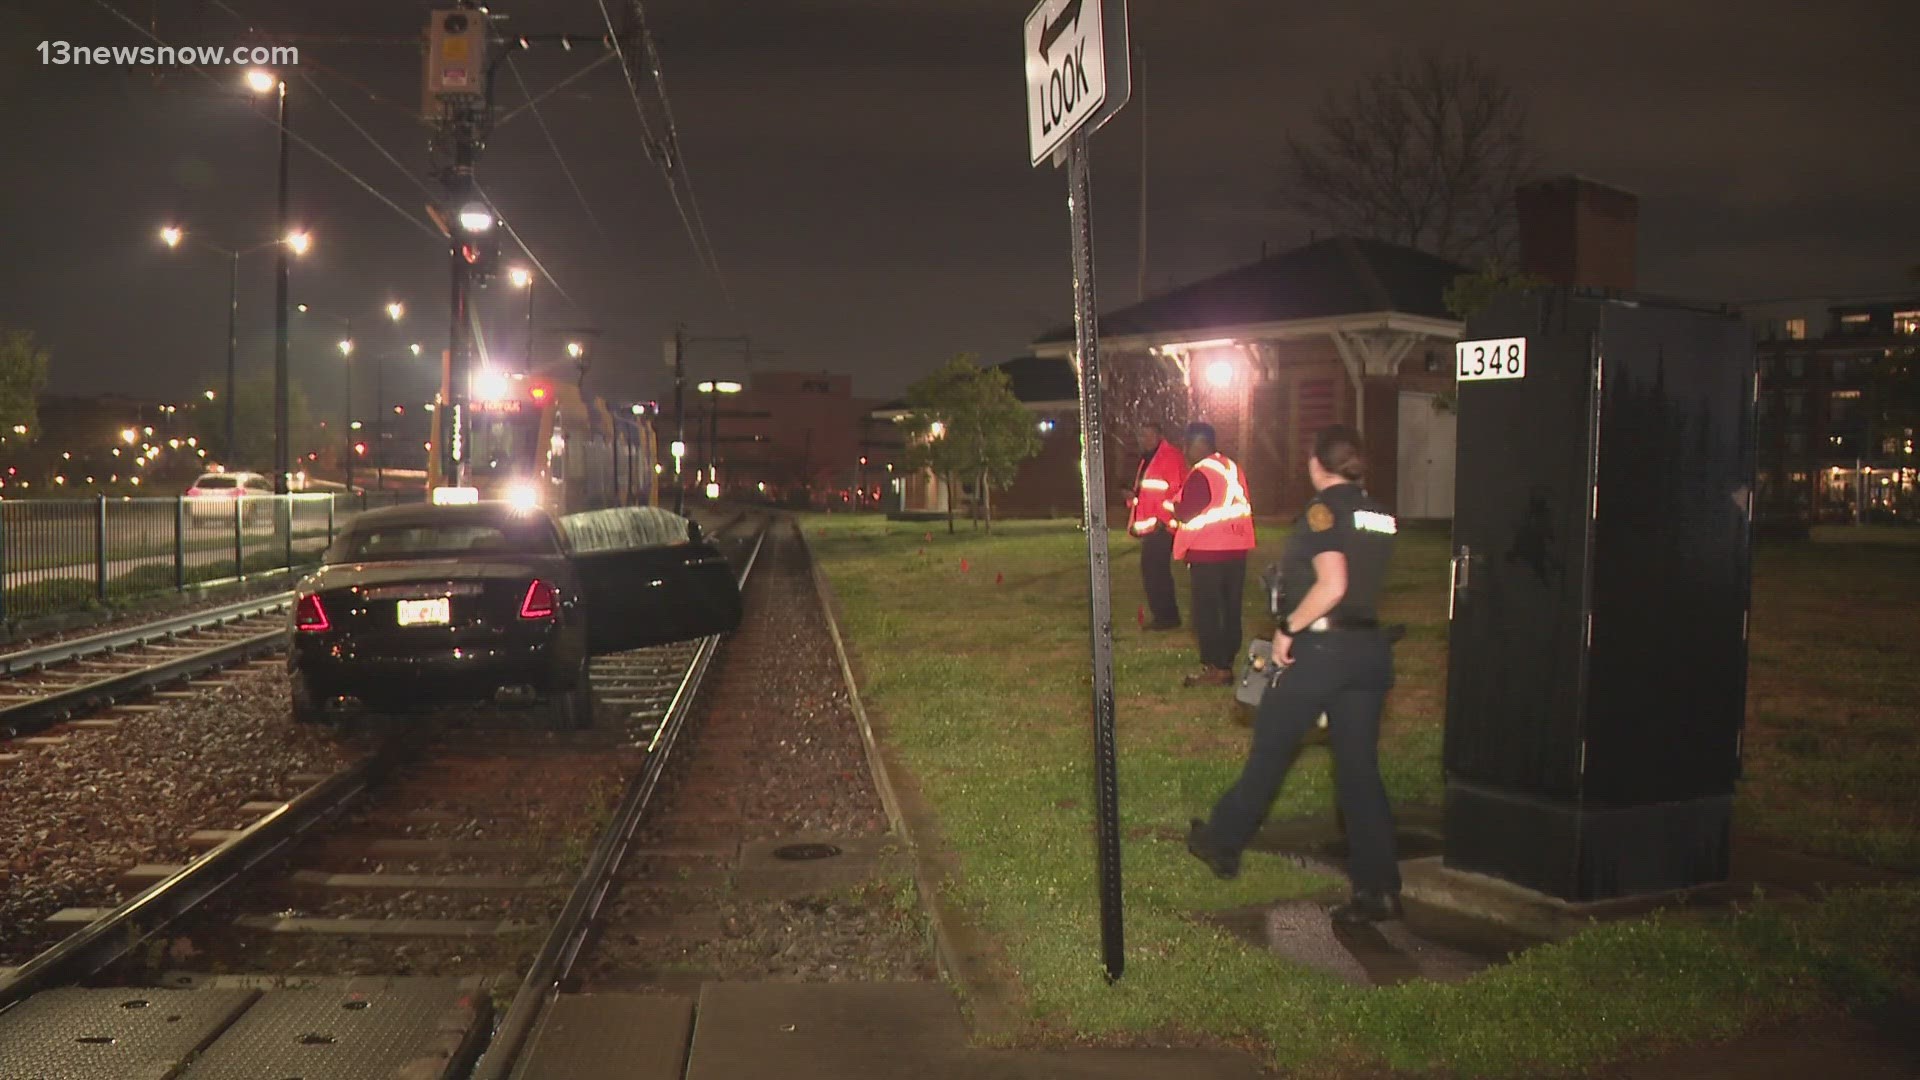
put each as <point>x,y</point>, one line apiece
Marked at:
<point>1156,493</point>
<point>1340,662</point>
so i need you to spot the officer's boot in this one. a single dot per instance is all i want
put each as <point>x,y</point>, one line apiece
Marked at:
<point>1367,906</point>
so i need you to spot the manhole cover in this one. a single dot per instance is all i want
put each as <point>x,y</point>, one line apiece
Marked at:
<point>802,852</point>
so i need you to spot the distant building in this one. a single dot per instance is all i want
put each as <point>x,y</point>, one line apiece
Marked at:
<point>789,436</point>
<point>1839,399</point>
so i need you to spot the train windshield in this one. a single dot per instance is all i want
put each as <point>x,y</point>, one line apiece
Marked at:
<point>505,442</point>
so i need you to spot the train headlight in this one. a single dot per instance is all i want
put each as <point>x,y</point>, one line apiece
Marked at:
<point>522,496</point>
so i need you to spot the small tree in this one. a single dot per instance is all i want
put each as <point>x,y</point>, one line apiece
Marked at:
<point>23,374</point>
<point>965,421</point>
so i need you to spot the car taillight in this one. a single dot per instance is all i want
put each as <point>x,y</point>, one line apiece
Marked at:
<point>309,616</point>
<point>194,492</point>
<point>540,602</point>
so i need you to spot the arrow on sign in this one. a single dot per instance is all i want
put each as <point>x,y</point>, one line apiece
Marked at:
<point>1069,17</point>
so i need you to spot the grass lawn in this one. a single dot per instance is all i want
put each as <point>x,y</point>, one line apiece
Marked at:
<point>982,681</point>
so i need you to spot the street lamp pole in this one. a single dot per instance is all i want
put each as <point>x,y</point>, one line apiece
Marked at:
<point>233,343</point>
<point>346,427</point>
<point>282,436</point>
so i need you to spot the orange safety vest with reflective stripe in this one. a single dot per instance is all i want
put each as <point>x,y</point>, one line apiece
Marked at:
<point>1227,522</point>
<point>1156,490</point>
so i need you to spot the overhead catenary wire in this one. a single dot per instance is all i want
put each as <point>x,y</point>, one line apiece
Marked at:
<point>673,145</point>
<point>369,92</point>
<point>522,244</point>
<point>543,95</point>
<point>554,145</point>
<point>658,151</point>
<point>415,179</point>
<point>304,144</point>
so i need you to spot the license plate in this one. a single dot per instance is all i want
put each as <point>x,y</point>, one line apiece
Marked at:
<point>435,612</point>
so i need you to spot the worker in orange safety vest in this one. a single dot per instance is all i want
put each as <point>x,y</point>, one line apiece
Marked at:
<point>1213,534</point>
<point>1156,493</point>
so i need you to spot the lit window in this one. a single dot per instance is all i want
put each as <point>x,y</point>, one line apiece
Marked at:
<point>1845,395</point>
<point>1906,322</point>
<point>1858,322</point>
<point>1797,329</point>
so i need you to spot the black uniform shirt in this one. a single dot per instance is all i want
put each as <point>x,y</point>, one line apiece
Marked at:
<point>1342,518</point>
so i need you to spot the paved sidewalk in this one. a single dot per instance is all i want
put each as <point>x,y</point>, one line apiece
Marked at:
<point>821,1031</point>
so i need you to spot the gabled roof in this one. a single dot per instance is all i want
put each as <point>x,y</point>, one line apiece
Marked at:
<point>1343,275</point>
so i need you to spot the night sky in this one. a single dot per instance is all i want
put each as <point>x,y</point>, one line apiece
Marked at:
<point>861,165</point>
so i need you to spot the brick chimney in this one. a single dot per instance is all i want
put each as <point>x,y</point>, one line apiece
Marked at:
<point>1575,231</point>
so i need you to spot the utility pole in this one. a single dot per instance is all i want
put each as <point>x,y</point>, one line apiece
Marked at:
<point>233,344</point>
<point>679,415</point>
<point>282,437</point>
<point>459,101</point>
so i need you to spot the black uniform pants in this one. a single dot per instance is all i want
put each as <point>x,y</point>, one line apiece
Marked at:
<point>1156,574</point>
<point>1217,592</point>
<point>1344,674</point>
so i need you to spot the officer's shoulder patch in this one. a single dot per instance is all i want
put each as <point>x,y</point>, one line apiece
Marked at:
<point>1319,518</point>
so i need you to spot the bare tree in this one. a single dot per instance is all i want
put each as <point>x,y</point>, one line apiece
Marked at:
<point>1425,154</point>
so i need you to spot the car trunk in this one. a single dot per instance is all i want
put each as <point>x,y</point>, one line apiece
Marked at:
<point>482,604</point>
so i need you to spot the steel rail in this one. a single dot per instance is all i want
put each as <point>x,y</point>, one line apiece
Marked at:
<point>554,961</point>
<point>112,936</point>
<point>35,714</point>
<point>61,652</point>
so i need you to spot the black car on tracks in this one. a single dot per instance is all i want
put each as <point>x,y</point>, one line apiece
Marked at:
<point>416,607</point>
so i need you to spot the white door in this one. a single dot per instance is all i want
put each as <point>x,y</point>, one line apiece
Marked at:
<point>1425,458</point>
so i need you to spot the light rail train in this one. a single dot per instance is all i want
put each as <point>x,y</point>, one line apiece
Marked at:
<point>539,442</point>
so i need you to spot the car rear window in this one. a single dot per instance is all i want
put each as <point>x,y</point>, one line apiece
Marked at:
<point>207,482</point>
<point>434,541</point>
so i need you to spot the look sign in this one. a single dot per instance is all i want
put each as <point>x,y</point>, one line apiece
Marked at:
<point>1067,64</point>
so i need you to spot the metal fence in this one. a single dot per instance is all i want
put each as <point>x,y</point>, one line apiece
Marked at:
<point>63,555</point>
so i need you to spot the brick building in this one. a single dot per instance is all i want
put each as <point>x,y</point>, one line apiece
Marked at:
<point>1344,330</point>
<point>801,434</point>
<point>1839,399</point>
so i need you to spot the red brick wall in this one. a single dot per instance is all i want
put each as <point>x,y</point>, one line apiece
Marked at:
<point>1577,232</point>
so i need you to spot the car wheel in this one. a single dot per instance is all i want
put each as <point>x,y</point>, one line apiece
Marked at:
<point>307,708</point>
<point>571,708</point>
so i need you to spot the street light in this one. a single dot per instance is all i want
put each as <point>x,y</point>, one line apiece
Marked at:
<point>713,390</point>
<point>575,349</point>
<point>173,236</point>
<point>476,218</point>
<point>522,278</point>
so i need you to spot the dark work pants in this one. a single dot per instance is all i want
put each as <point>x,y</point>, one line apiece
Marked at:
<point>1217,592</point>
<point>1156,573</point>
<point>1345,674</point>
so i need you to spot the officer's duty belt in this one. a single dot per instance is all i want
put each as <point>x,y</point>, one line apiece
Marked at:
<point>1328,622</point>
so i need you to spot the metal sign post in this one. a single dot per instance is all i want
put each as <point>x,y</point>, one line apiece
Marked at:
<point>1076,64</point>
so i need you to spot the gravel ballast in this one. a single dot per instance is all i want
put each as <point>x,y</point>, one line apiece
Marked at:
<point>85,810</point>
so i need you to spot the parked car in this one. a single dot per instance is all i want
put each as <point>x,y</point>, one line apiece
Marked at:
<point>417,607</point>
<point>213,494</point>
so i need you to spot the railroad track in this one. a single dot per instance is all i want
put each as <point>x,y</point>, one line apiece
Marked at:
<point>311,884</point>
<point>43,686</point>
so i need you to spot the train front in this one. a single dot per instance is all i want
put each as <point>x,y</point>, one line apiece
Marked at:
<point>512,437</point>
